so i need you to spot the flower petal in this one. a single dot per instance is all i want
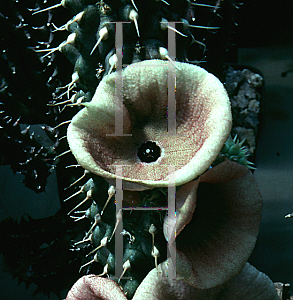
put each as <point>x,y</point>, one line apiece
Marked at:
<point>249,284</point>
<point>95,288</point>
<point>217,225</point>
<point>203,122</point>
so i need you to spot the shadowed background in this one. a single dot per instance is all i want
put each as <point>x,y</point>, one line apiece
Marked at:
<point>265,42</point>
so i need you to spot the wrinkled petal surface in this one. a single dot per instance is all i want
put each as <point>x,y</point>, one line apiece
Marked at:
<point>203,123</point>
<point>95,288</point>
<point>220,213</point>
<point>250,284</point>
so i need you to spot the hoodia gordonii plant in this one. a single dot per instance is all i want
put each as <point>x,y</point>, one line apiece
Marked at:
<point>147,157</point>
<point>144,161</point>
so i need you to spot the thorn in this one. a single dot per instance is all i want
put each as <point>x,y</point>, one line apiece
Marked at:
<point>242,142</point>
<point>60,103</point>
<point>186,25</point>
<point>82,190</point>
<point>26,130</point>
<point>112,62</point>
<point>152,231</point>
<point>163,2</point>
<point>70,40</point>
<point>47,128</point>
<point>165,55</point>
<point>9,120</point>
<point>71,85</point>
<point>202,27</point>
<point>105,272</point>
<point>133,16</point>
<point>90,262</point>
<point>235,138</point>
<point>89,239</point>
<point>132,1</point>
<point>88,196</point>
<point>73,195</point>
<point>77,18</point>
<point>251,168</point>
<point>74,217</point>
<point>164,26</point>
<point>111,193</point>
<point>51,7</point>
<point>103,35</point>
<point>16,122</point>
<point>118,219</point>
<point>104,242</point>
<point>61,28</point>
<point>66,152</point>
<point>78,219</point>
<point>156,254</point>
<point>97,220</point>
<point>60,110</point>
<point>86,172</point>
<point>72,166</point>
<point>80,211</point>
<point>126,266</point>
<point>78,101</point>
<point>63,123</point>
<point>204,5</point>
<point>62,87</point>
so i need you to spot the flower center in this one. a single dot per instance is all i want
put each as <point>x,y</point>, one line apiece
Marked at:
<point>149,152</point>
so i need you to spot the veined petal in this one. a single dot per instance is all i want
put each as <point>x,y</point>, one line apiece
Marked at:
<point>203,123</point>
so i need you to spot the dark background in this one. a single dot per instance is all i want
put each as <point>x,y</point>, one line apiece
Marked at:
<point>264,40</point>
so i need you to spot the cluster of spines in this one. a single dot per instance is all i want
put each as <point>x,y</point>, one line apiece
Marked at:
<point>141,248</point>
<point>26,86</point>
<point>25,154</point>
<point>90,45</point>
<point>234,150</point>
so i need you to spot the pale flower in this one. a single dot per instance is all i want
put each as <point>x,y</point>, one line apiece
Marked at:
<point>203,123</point>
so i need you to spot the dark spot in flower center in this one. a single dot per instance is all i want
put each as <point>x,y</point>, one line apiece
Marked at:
<point>149,152</point>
